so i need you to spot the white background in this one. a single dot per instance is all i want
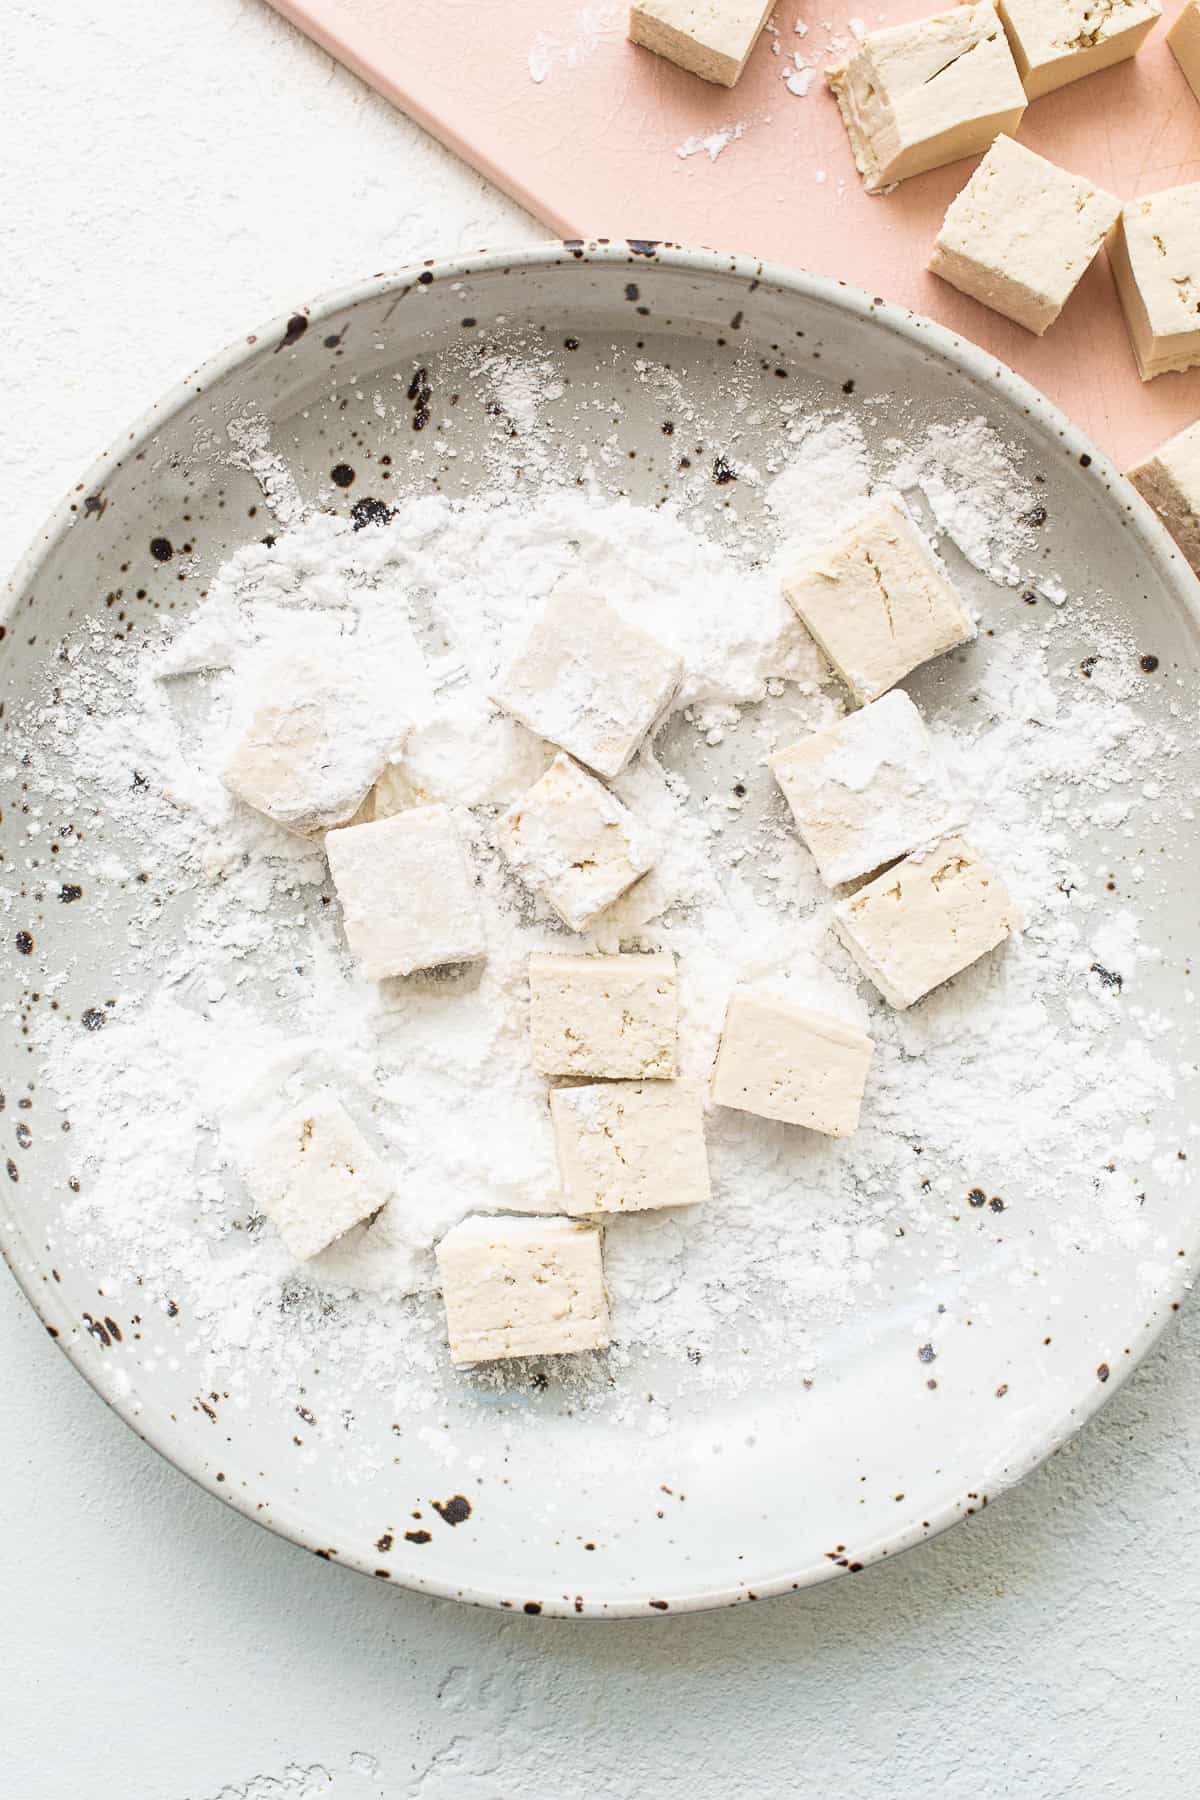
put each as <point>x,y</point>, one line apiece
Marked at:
<point>173,173</point>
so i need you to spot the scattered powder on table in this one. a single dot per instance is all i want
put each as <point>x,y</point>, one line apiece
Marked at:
<point>1027,1068</point>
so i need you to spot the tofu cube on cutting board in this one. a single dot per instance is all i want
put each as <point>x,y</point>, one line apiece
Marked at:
<point>925,920</point>
<point>1154,249</point>
<point>1022,234</point>
<point>1057,41</point>
<point>868,789</point>
<point>614,1017</point>
<point>914,97</point>
<point>628,1146</point>
<point>522,1287</point>
<point>407,893</point>
<point>878,604</point>
<point>1170,481</point>
<point>709,38</point>
<point>784,1061</point>
<point>1184,39</point>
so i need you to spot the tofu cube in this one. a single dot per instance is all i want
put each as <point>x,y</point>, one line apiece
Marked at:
<point>709,38</point>
<point>878,604</point>
<point>1057,41</point>
<point>925,920</point>
<point>314,736</point>
<point>1184,39</point>
<point>572,840</point>
<point>610,1016</point>
<point>314,1175</point>
<point>782,1061</point>
<point>588,681</point>
<point>1021,235</point>
<point>1154,249</point>
<point>1170,481</point>
<point>868,789</point>
<point>629,1146</point>
<point>522,1287</point>
<point>407,893</point>
<point>916,96</point>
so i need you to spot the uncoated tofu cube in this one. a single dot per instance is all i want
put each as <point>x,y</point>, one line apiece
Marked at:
<point>709,38</point>
<point>1057,41</point>
<point>407,893</point>
<point>572,840</point>
<point>314,1175</point>
<point>916,96</point>
<point>1184,39</point>
<point>1021,235</point>
<point>1170,481</point>
<point>878,604</point>
<point>608,1016</point>
<point>628,1146</point>
<point>1154,250</point>
<point>522,1287</point>
<point>868,789</point>
<point>784,1061</point>
<point>588,681</point>
<point>925,920</point>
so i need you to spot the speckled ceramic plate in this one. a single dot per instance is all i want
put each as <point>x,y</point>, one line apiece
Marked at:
<point>738,1499</point>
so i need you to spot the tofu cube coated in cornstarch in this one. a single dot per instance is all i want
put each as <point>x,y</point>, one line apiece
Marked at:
<point>1184,39</point>
<point>878,604</point>
<point>588,681</point>
<point>522,1287</point>
<point>573,841</point>
<point>615,1017</point>
<point>925,920</point>
<point>407,893</point>
<point>868,789</point>
<point>1154,251</point>
<point>627,1146</point>
<point>784,1061</point>
<point>314,1175</point>
<point>315,735</point>
<point>916,96</point>
<point>709,38</point>
<point>1170,481</point>
<point>1022,234</point>
<point>1057,41</point>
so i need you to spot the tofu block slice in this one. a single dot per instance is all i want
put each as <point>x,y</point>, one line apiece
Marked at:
<point>709,38</point>
<point>314,736</point>
<point>610,1016</point>
<point>878,604</point>
<point>573,841</point>
<point>1184,39</point>
<point>588,681</point>
<point>925,920</point>
<point>867,790</point>
<point>1154,249</point>
<point>783,1061</point>
<point>522,1287</point>
<point>628,1146</point>
<point>1021,235</point>
<point>408,896</point>
<point>314,1175</point>
<point>1170,481</point>
<point>916,96</point>
<point>1057,41</point>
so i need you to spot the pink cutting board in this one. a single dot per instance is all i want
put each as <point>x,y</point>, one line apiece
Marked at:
<point>592,148</point>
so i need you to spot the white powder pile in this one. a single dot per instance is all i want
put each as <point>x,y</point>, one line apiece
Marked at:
<point>239,997</point>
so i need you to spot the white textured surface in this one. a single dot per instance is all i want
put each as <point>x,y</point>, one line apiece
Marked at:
<point>173,174</point>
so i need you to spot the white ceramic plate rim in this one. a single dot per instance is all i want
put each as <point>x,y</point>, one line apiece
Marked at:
<point>969,360</point>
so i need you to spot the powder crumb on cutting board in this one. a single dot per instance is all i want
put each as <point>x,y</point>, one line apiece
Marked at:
<point>1019,1068</point>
